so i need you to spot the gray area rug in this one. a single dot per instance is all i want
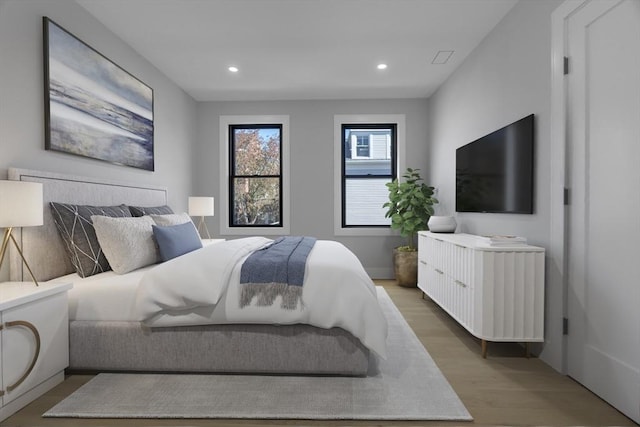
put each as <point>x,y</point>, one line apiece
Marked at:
<point>407,386</point>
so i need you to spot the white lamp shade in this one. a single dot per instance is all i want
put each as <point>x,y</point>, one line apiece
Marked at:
<point>21,204</point>
<point>201,206</point>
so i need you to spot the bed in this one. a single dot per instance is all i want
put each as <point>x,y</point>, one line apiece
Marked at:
<point>101,339</point>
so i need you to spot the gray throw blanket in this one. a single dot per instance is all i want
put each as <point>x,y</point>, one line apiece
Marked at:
<point>276,270</point>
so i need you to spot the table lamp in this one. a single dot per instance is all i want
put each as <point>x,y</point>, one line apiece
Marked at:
<point>201,206</point>
<point>21,205</point>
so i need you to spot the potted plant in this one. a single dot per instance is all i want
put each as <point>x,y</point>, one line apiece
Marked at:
<point>410,206</point>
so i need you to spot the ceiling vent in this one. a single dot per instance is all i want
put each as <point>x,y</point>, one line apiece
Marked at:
<point>442,57</point>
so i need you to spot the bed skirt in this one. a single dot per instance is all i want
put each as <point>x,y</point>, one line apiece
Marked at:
<point>238,348</point>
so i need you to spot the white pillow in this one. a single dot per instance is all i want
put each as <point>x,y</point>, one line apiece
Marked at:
<point>171,219</point>
<point>127,243</point>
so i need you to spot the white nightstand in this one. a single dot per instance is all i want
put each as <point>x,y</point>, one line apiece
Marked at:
<point>34,341</point>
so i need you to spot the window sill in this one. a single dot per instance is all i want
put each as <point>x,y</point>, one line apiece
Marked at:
<point>358,231</point>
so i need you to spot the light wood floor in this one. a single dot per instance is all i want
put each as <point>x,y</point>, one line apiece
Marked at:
<point>505,389</point>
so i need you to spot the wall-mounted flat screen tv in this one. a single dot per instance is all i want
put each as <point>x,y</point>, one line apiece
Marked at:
<point>495,173</point>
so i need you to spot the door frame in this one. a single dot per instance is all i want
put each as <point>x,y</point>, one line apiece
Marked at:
<point>580,361</point>
<point>558,151</point>
<point>559,218</point>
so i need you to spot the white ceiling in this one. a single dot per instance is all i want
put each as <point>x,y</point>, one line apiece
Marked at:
<point>301,49</point>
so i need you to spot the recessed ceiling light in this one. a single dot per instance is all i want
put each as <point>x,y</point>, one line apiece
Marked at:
<point>233,69</point>
<point>382,66</point>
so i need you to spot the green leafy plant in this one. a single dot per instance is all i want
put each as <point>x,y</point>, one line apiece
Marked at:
<point>410,206</point>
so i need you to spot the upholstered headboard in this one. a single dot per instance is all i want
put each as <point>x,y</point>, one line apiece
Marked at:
<point>42,246</point>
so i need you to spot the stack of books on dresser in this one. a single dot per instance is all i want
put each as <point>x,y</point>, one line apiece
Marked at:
<point>503,240</point>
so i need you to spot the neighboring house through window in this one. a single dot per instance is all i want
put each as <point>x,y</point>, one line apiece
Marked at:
<point>368,164</point>
<point>362,147</point>
<point>254,150</point>
<point>369,152</point>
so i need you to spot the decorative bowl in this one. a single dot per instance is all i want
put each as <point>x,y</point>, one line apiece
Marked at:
<point>442,224</point>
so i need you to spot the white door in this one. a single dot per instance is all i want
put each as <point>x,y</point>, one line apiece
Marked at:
<point>603,141</point>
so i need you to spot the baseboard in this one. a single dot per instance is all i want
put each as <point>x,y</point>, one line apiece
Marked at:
<point>380,273</point>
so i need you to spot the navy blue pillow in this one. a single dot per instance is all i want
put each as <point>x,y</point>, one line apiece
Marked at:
<point>176,240</point>
<point>153,210</point>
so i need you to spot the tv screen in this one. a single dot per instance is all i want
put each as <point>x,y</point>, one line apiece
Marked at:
<point>495,173</point>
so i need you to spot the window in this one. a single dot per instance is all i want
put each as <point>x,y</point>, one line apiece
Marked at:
<point>368,164</point>
<point>362,146</point>
<point>256,175</point>
<point>369,152</point>
<point>253,174</point>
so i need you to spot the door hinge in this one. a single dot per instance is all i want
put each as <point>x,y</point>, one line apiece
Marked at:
<point>565,326</point>
<point>566,196</point>
<point>565,65</point>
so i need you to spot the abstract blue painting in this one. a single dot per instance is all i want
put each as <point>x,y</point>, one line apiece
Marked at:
<point>94,108</point>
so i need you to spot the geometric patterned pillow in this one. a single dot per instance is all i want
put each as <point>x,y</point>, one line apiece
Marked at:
<point>76,230</point>
<point>146,210</point>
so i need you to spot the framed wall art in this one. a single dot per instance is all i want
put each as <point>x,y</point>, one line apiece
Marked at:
<point>94,108</point>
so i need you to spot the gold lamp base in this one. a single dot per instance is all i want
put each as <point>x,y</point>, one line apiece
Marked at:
<point>5,243</point>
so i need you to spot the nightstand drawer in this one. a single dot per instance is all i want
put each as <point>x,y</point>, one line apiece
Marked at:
<point>34,341</point>
<point>34,332</point>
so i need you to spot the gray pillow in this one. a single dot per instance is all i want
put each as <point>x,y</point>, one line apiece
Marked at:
<point>171,219</point>
<point>148,210</point>
<point>176,240</point>
<point>127,243</point>
<point>76,230</point>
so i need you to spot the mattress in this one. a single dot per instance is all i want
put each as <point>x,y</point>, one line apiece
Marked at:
<point>337,293</point>
<point>105,335</point>
<point>103,297</point>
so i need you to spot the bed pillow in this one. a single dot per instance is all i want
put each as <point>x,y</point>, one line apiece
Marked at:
<point>149,210</point>
<point>171,219</point>
<point>76,230</point>
<point>127,243</point>
<point>176,240</point>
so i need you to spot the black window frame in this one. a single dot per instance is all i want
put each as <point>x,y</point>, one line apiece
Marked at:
<point>343,158</point>
<point>233,175</point>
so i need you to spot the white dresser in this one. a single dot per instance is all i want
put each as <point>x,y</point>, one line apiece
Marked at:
<point>34,341</point>
<point>495,292</point>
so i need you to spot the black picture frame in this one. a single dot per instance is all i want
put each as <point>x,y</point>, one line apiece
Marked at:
<point>93,107</point>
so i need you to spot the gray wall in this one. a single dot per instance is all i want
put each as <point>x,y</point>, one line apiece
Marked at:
<point>312,174</point>
<point>21,101</point>
<point>506,78</point>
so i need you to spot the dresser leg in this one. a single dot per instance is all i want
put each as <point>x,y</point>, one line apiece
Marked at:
<point>484,349</point>
<point>527,350</point>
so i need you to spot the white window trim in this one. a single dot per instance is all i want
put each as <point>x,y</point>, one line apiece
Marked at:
<point>338,121</point>
<point>225,121</point>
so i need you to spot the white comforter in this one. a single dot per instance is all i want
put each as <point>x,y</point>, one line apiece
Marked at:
<point>202,287</point>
